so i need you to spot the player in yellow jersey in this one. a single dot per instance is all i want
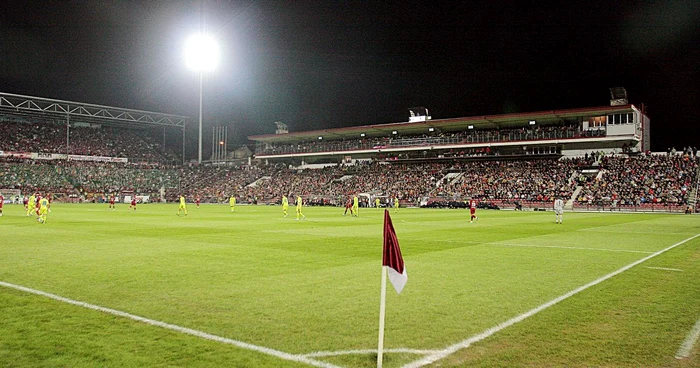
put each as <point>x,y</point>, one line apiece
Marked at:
<point>43,210</point>
<point>285,205</point>
<point>355,206</point>
<point>396,203</point>
<point>31,205</point>
<point>377,202</point>
<point>183,205</point>
<point>232,203</point>
<point>299,204</point>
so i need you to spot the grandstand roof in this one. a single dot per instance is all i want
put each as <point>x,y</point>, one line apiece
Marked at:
<point>446,125</point>
<point>40,108</point>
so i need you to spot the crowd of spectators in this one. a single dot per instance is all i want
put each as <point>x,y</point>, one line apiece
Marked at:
<point>647,179</point>
<point>528,180</point>
<point>438,138</point>
<point>88,141</point>
<point>618,180</point>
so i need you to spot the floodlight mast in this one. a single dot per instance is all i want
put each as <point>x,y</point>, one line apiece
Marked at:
<point>201,54</point>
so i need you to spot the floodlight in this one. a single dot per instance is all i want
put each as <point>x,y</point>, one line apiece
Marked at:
<point>394,132</point>
<point>431,129</point>
<point>201,52</point>
<point>362,134</point>
<point>532,122</point>
<point>470,127</point>
<point>319,138</point>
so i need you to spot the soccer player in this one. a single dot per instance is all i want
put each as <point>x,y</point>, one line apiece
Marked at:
<point>48,196</point>
<point>196,200</point>
<point>232,202</point>
<point>348,206</point>
<point>37,201</point>
<point>25,201</point>
<point>559,210</point>
<point>472,211</point>
<point>43,210</point>
<point>396,203</point>
<point>377,202</point>
<point>183,205</point>
<point>285,205</point>
<point>111,202</point>
<point>355,206</point>
<point>133,203</point>
<point>299,204</point>
<point>31,204</point>
<point>2,200</point>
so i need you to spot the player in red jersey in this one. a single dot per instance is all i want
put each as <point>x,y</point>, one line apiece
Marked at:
<point>38,199</point>
<point>48,207</point>
<point>111,202</point>
<point>196,200</point>
<point>25,201</point>
<point>472,210</point>
<point>348,206</point>
<point>2,200</point>
<point>133,203</point>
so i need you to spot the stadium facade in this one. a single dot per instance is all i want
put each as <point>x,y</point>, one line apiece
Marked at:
<point>570,132</point>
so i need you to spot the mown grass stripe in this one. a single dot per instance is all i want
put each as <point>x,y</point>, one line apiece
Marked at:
<point>476,338</point>
<point>184,330</point>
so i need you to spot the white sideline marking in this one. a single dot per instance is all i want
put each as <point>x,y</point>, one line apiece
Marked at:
<point>367,351</point>
<point>579,248</point>
<point>476,338</point>
<point>687,345</point>
<point>665,269</point>
<point>184,330</point>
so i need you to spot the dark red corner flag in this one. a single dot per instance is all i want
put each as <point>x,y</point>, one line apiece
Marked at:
<point>392,255</point>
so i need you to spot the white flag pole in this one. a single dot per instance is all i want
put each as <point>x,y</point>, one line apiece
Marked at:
<point>382,307</point>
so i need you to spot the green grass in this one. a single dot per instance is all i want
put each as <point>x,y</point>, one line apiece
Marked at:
<point>313,285</point>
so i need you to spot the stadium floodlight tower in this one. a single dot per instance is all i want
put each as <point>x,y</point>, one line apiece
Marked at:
<point>201,55</point>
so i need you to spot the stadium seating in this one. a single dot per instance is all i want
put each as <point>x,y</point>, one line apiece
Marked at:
<point>619,182</point>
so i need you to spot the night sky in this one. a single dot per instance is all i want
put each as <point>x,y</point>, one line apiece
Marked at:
<point>322,64</point>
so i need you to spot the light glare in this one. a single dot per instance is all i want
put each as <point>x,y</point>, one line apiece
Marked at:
<point>201,52</point>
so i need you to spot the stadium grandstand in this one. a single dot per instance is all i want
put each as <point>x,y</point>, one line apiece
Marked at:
<point>593,158</point>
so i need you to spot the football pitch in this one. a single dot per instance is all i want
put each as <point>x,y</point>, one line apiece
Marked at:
<point>249,288</point>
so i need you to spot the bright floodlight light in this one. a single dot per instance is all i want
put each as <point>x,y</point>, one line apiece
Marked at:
<point>201,52</point>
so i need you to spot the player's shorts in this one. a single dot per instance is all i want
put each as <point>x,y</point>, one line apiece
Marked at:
<point>558,211</point>
<point>182,206</point>
<point>472,210</point>
<point>43,211</point>
<point>285,207</point>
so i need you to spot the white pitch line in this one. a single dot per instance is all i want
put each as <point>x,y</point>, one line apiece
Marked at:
<point>665,269</point>
<point>318,354</point>
<point>578,248</point>
<point>687,345</point>
<point>476,338</point>
<point>184,330</point>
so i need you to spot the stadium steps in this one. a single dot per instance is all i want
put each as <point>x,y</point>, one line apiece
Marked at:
<point>255,183</point>
<point>449,177</point>
<point>693,195</point>
<point>569,205</point>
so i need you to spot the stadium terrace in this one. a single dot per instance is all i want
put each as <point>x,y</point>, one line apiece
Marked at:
<point>594,158</point>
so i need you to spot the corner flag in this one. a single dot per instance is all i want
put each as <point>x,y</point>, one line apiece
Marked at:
<point>392,256</point>
<point>393,262</point>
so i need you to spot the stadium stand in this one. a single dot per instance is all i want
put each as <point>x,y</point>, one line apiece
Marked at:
<point>105,141</point>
